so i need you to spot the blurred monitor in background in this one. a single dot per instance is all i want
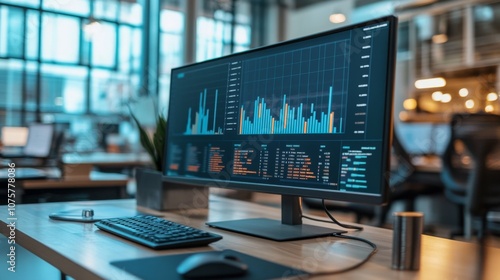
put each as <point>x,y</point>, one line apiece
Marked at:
<point>39,141</point>
<point>109,136</point>
<point>14,136</point>
<point>423,138</point>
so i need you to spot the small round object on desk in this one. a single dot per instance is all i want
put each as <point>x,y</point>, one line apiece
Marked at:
<point>88,213</point>
<point>406,243</point>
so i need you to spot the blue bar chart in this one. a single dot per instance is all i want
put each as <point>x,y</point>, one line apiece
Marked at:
<point>292,120</point>
<point>199,125</point>
<point>302,91</point>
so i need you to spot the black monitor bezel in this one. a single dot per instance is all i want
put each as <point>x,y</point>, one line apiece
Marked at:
<point>306,192</point>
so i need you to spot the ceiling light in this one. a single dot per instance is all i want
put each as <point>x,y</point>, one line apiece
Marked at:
<point>410,104</point>
<point>469,104</point>
<point>446,98</point>
<point>437,96</point>
<point>463,92</point>
<point>430,83</point>
<point>488,108</point>
<point>492,96</point>
<point>337,18</point>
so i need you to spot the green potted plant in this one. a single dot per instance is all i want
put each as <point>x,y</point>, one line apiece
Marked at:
<point>154,146</point>
<point>152,190</point>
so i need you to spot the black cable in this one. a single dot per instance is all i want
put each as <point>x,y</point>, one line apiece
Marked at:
<point>339,235</point>
<point>333,221</point>
<point>373,245</point>
<point>337,222</point>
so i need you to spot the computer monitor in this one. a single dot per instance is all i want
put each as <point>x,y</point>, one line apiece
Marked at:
<point>14,136</point>
<point>39,141</point>
<point>310,117</point>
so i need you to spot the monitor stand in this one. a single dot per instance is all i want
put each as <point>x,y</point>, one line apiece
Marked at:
<point>289,228</point>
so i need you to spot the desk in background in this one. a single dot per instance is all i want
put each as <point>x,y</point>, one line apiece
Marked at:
<point>82,251</point>
<point>53,187</point>
<point>106,162</point>
<point>101,159</point>
<point>96,186</point>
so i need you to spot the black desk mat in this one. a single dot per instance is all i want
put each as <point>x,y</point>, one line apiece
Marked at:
<point>164,267</point>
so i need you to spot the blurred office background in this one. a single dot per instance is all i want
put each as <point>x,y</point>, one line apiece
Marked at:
<point>84,62</point>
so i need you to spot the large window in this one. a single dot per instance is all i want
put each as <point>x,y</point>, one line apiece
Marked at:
<point>67,58</point>
<point>61,60</point>
<point>222,27</point>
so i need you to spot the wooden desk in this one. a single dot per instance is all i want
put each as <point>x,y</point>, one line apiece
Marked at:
<point>82,251</point>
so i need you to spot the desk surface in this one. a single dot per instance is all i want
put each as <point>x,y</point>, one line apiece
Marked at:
<point>81,250</point>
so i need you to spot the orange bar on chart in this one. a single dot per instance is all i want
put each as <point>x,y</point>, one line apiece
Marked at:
<point>330,128</point>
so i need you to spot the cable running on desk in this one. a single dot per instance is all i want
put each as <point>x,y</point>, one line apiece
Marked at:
<point>357,228</point>
<point>157,233</point>
<point>332,219</point>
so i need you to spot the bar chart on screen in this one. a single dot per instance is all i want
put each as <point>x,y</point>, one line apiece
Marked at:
<point>292,120</point>
<point>200,124</point>
<point>203,101</point>
<point>298,92</point>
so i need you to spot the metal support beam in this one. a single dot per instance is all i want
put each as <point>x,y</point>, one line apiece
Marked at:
<point>190,9</point>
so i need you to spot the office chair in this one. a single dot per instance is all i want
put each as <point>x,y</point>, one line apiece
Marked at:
<point>475,188</point>
<point>406,183</point>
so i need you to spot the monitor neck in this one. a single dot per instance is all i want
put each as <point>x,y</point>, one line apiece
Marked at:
<point>291,210</point>
<point>289,228</point>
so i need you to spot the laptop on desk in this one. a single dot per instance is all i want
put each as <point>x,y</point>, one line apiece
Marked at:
<point>13,139</point>
<point>38,143</point>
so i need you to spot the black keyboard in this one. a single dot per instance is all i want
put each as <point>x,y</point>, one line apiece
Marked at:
<point>157,233</point>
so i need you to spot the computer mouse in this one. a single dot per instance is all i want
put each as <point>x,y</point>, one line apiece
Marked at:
<point>211,265</point>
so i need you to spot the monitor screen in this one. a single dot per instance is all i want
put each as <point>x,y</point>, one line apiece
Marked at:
<point>307,117</point>
<point>14,136</point>
<point>39,141</point>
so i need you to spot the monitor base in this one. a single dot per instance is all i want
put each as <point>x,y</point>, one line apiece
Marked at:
<point>274,229</point>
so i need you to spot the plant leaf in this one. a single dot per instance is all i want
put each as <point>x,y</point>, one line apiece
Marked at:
<point>145,140</point>
<point>159,140</point>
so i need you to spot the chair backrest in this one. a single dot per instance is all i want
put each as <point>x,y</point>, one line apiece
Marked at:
<point>403,164</point>
<point>478,184</point>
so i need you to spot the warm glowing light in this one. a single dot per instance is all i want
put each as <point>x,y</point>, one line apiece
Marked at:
<point>439,38</point>
<point>463,92</point>
<point>430,83</point>
<point>469,104</point>
<point>410,104</point>
<point>492,96</point>
<point>446,98</point>
<point>488,108</point>
<point>437,95</point>
<point>337,18</point>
